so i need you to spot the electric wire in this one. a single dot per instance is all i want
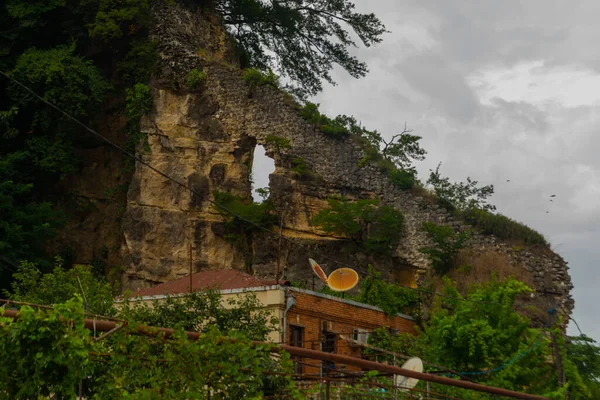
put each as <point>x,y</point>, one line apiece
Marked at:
<point>292,242</point>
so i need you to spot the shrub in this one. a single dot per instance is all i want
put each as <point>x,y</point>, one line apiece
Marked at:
<point>255,78</point>
<point>195,78</point>
<point>503,227</point>
<point>332,128</point>
<point>460,196</point>
<point>138,101</point>
<point>299,166</point>
<point>446,245</point>
<point>402,179</point>
<point>138,63</point>
<point>277,142</point>
<point>253,215</point>
<point>373,228</point>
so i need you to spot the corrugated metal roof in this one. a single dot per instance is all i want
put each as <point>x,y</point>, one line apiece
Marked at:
<point>219,279</point>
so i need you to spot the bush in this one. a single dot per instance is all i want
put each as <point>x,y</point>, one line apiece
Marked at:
<point>299,166</point>
<point>446,245</point>
<point>402,179</point>
<point>195,78</point>
<point>332,128</point>
<point>255,78</point>
<point>373,228</point>
<point>277,142</point>
<point>138,63</point>
<point>138,101</point>
<point>503,227</point>
<point>253,215</point>
<point>461,196</point>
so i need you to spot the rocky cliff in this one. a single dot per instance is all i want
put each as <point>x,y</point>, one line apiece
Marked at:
<point>206,138</point>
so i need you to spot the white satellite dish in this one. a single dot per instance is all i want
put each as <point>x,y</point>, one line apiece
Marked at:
<point>404,382</point>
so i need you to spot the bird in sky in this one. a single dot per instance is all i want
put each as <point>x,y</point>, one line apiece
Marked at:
<point>553,195</point>
<point>508,180</point>
<point>552,200</point>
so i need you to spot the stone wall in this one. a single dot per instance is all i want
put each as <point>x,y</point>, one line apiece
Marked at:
<point>206,138</point>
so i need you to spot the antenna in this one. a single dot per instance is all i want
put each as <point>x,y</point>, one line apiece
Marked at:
<point>404,382</point>
<point>340,280</point>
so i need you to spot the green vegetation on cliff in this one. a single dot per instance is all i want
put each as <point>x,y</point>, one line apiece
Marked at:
<point>76,53</point>
<point>372,227</point>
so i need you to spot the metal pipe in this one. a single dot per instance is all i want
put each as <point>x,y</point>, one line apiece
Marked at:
<point>290,301</point>
<point>105,326</point>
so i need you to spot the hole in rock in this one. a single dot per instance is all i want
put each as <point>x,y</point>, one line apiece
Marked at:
<point>262,167</point>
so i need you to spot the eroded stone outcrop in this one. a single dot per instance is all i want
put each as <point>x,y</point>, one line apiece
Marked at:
<point>206,138</point>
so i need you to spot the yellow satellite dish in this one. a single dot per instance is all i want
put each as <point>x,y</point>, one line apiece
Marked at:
<point>340,280</point>
<point>318,270</point>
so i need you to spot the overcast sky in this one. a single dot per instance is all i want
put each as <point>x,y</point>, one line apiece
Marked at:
<point>499,91</point>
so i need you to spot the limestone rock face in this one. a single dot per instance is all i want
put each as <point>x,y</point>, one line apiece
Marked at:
<point>206,137</point>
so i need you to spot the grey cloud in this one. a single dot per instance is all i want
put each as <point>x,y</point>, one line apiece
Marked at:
<point>542,149</point>
<point>443,86</point>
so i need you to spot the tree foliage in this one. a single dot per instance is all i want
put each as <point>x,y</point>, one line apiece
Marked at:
<point>503,227</point>
<point>64,50</point>
<point>42,354</point>
<point>446,243</point>
<point>204,310</point>
<point>44,357</point>
<point>483,337</point>
<point>302,39</point>
<point>373,228</point>
<point>460,196</point>
<point>390,297</point>
<point>584,354</point>
<point>32,286</point>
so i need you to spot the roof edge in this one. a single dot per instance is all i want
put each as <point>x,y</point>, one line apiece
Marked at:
<point>351,302</point>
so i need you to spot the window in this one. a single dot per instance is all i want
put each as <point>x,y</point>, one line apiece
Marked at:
<point>297,340</point>
<point>328,346</point>
<point>296,336</point>
<point>360,335</point>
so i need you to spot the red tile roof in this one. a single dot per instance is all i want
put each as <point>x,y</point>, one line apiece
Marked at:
<point>219,279</point>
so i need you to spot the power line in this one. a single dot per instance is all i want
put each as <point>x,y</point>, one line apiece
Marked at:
<point>161,173</point>
<point>220,206</point>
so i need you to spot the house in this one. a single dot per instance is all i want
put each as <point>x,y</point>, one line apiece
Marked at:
<point>307,318</point>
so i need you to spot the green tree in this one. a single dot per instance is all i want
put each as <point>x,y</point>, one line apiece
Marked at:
<point>45,357</point>
<point>204,310</point>
<point>583,353</point>
<point>446,245</point>
<point>396,156</point>
<point>32,286</point>
<point>302,39</point>
<point>460,196</point>
<point>482,336</point>
<point>373,228</point>
<point>42,356</point>
<point>388,296</point>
